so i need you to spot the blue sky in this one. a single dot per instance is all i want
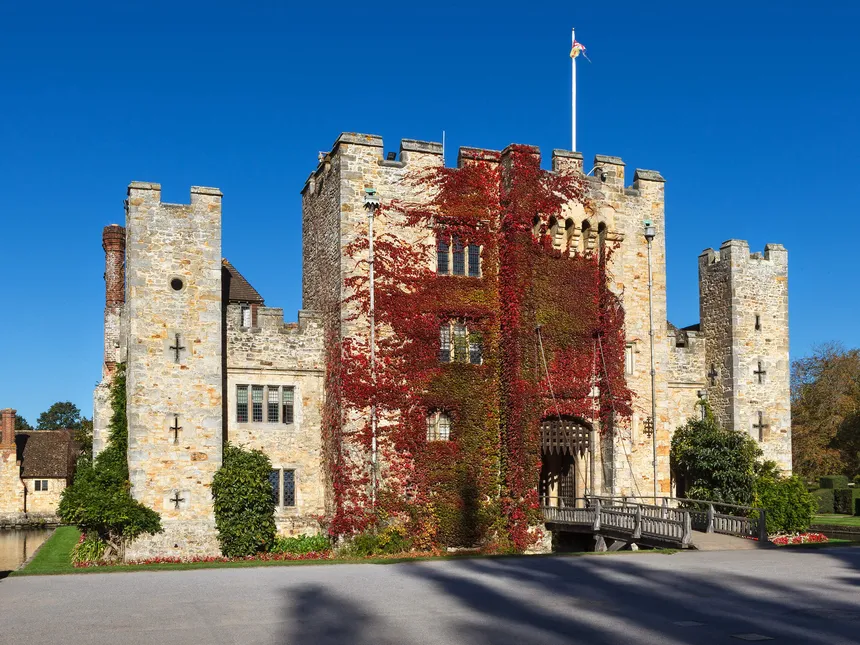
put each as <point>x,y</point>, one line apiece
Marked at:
<point>748,109</point>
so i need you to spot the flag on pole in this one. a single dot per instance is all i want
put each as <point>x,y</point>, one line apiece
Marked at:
<point>576,49</point>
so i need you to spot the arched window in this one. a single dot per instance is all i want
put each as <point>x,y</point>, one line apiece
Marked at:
<point>438,426</point>
<point>586,233</point>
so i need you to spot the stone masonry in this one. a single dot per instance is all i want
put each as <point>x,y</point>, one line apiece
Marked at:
<point>174,366</point>
<point>11,486</point>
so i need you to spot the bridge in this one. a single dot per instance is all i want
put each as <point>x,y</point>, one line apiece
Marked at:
<point>672,523</point>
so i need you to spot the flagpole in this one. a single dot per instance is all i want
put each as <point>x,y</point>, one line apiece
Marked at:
<point>573,94</point>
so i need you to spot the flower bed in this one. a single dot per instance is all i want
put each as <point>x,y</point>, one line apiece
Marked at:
<point>799,538</point>
<point>260,557</point>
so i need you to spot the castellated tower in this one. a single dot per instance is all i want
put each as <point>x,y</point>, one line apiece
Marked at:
<point>174,363</point>
<point>744,318</point>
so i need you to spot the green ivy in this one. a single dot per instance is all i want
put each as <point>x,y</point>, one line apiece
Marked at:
<point>244,505</point>
<point>99,501</point>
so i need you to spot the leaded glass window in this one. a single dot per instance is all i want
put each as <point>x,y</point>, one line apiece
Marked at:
<point>257,403</point>
<point>275,481</point>
<point>242,403</point>
<point>476,348</point>
<point>289,488</point>
<point>438,426</point>
<point>461,343</point>
<point>287,404</point>
<point>445,343</point>
<point>474,260</point>
<point>442,250</point>
<point>272,405</point>
<point>459,257</point>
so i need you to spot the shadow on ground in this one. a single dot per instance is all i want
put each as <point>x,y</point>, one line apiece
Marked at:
<point>596,600</point>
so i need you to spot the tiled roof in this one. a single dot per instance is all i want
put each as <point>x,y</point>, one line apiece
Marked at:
<point>46,453</point>
<point>238,289</point>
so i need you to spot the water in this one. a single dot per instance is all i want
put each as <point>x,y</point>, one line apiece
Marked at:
<point>17,545</point>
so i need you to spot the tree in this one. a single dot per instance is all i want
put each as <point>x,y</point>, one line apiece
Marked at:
<point>84,437</point>
<point>62,414</point>
<point>99,501</point>
<point>22,424</point>
<point>714,464</point>
<point>825,412</point>
<point>244,504</point>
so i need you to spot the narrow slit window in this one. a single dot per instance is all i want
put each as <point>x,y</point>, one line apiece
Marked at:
<point>628,359</point>
<point>257,403</point>
<point>445,343</point>
<point>289,488</point>
<point>459,257</point>
<point>757,322</point>
<point>242,404</point>
<point>474,260</point>
<point>442,250</point>
<point>246,316</point>
<point>272,407</point>
<point>275,481</point>
<point>288,402</point>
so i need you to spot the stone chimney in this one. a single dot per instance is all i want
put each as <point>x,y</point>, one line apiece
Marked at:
<point>113,243</point>
<point>7,428</point>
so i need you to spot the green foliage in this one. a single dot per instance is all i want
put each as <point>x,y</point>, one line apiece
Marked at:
<point>21,424</point>
<point>389,541</point>
<point>89,549</point>
<point>844,500</point>
<point>836,482</point>
<point>301,544</point>
<point>857,480</point>
<point>714,464</point>
<point>790,507</point>
<point>244,504</point>
<point>825,500</point>
<point>62,414</point>
<point>84,437</point>
<point>99,501</point>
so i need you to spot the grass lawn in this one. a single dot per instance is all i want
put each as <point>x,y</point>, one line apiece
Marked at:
<point>840,520</point>
<point>55,558</point>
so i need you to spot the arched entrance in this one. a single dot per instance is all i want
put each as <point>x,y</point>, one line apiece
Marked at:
<point>565,444</point>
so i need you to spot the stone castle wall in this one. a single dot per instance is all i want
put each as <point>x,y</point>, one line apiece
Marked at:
<point>11,486</point>
<point>744,305</point>
<point>686,375</point>
<point>44,501</point>
<point>277,354</point>
<point>167,243</point>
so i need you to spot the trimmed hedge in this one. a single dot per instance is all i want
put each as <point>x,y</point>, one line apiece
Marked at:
<point>790,507</point>
<point>824,497</point>
<point>835,482</point>
<point>844,501</point>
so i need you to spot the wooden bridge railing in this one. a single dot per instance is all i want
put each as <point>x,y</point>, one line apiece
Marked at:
<point>636,520</point>
<point>706,516</point>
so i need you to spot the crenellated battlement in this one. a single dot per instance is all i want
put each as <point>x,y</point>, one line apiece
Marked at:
<point>737,252</point>
<point>140,192</point>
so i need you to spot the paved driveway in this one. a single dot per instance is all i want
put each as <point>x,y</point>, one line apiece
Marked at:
<point>790,596</point>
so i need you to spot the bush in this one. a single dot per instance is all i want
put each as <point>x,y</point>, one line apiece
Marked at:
<point>301,544</point>
<point>836,482</point>
<point>843,500</point>
<point>857,480</point>
<point>714,464</point>
<point>88,549</point>
<point>825,498</point>
<point>790,507</point>
<point>390,541</point>
<point>244,504</point>
<point>99,501</point>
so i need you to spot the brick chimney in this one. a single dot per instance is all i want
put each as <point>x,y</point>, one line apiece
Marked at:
<point>113,243</point>
<point>7,428</point>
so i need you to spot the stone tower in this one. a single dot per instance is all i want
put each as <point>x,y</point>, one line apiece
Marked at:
<point>174,362</point>
<point>744,316</point>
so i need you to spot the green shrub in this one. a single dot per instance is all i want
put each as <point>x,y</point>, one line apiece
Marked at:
<point>714,464</point>
<point>301,544</point>
<point>824,498</point>
<point>99,500</point>
<point>836,482</point>
<point>790,507</point>
<point>843,500</point>
<point>389,541</point>
<point>244,504</point>
<point>857,480</point>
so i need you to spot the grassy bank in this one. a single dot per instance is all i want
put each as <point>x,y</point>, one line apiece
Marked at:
<point>54,558</point>
<point>837,520</point>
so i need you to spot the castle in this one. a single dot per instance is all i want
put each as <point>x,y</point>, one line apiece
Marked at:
<point>206,360</point>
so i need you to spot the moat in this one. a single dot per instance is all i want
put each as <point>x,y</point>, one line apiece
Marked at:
<point>16,545</point>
